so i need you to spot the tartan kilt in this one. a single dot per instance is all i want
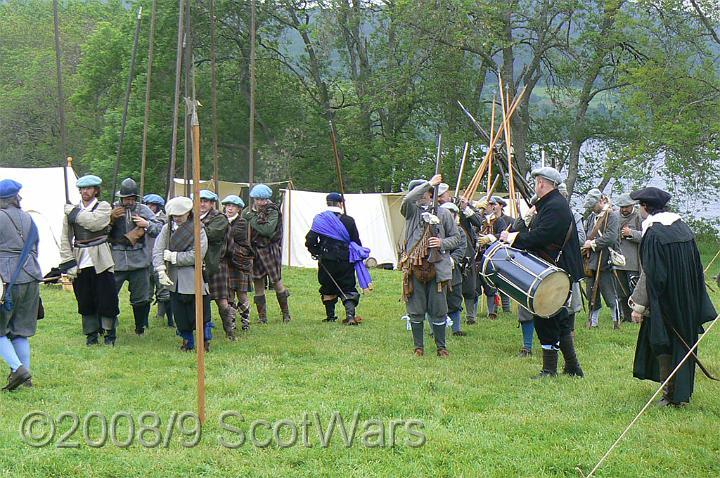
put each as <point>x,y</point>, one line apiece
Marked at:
<point>218,282</point>
<point>268,262</point>
<point>238,280</point>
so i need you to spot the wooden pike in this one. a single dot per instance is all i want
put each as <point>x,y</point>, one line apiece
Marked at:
<point>470,191</point>
<point>199,286</point>
<point>462,168</point>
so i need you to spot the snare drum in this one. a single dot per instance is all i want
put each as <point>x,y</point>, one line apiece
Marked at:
<point>535,284</point>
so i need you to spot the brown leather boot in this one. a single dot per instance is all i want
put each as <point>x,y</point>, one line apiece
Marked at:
<point>282,298</point>
<point>665,366</point>
<point>261,304</point>
<point>228,319</point>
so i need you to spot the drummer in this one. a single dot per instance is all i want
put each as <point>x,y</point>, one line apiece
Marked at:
<point>552,236</point>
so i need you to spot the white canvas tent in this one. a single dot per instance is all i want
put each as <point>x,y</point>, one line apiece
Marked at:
<point>43,196</point>
<point>377,217</point>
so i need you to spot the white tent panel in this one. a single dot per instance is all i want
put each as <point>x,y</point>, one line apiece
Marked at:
<point>43,196</point>
<point>371,214</point>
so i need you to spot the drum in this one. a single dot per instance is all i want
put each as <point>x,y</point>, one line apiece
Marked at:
<point>535,284</point>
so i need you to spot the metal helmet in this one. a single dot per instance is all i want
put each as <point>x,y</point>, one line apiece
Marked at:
<point>128,188</point>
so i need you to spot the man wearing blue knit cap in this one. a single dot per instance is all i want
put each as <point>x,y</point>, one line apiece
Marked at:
<point>86,258</point>
<point>266,234</point>
<point>19,284</point>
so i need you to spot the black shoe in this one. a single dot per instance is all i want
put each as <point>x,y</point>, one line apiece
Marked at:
<point>471,321</point>
<point>92,339</point>
<point>330,319</point>
<point>139,332</point>
<point>17,378</point>
<point>459,333</point>
<point>110,341</point>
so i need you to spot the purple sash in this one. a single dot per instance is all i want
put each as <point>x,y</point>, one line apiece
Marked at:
<point>328,224</point>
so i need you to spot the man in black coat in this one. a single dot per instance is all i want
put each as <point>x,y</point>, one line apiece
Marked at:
<point>553,237</point>
<point>335,273</point>
<point>670,300</point>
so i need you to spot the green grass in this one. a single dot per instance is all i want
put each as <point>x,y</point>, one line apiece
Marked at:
<point>482,414</point>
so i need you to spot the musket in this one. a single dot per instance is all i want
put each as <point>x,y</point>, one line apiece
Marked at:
<point>435,255</point>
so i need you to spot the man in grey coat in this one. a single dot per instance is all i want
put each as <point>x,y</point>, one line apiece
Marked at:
<point>131,223</point>
<point>19,303</point>
<point>630,237</point>
<point>425,282</point>
<point>602,230</point>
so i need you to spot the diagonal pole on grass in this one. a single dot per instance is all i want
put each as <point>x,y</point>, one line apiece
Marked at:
<point>637,417</point>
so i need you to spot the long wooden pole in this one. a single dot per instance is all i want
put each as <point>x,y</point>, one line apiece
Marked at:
<point>128,89</point>
<point>213,92</point>
<point>61,98</point>
<point>176,105</point>
<point>338,168</point>
<point>187,46</point>
<point>470,191</point>
<point>251,127</point>
<point>148,82</point>
<point>507,131</point>
<point>199,286</point>
<point>492,131</point>
<point>711,262</point>
<point>462,168</point>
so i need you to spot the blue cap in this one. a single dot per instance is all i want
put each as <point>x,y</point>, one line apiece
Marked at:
<point>261,191</point>
<point>233,199</point>
<point>89,181</point>
<point>209,195</point>
<point>9,188</point>
<point>153,199</point>
<point>334,197</point>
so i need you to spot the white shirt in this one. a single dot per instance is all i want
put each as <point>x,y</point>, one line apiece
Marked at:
<point>84,257</point>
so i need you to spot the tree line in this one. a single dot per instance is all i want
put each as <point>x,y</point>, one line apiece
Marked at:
<point>614,89</point>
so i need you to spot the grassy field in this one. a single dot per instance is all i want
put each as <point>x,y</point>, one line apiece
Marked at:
<point>481,414</point>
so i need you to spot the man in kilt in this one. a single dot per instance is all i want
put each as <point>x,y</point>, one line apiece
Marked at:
<point>238,258</point>
<point>216,227</point>
<point>162,295</point>
<point>131,223</point>
<point>20,270</point>
<point>335,242</point>
<point>266,233</point>
<point>86,258</point>
<point>174,261</point>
